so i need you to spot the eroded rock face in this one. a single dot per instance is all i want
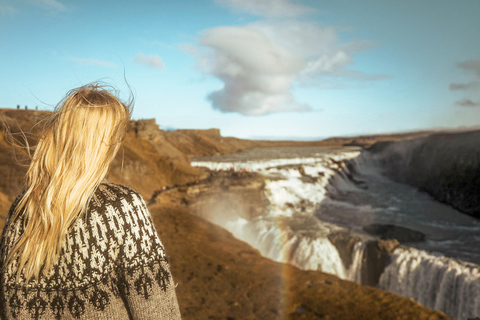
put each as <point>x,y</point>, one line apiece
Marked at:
<point>147,129</point>
<point>376,257</point>
<point>344,242</point>
<point>390,231</point>
<point>445,165</point>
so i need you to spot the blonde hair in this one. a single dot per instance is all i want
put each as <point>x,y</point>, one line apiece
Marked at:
<point>71,159</point>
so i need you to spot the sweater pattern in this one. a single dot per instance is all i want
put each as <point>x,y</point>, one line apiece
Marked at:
<point>110,252</point>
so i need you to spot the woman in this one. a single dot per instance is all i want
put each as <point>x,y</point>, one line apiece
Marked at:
<point>75,246</point>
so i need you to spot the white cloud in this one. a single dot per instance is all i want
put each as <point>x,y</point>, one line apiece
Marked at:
<point>257,73</point>
<point>267,8</point>
<point>260,63</point>
<point>151,61</point>
<point>94,62</point>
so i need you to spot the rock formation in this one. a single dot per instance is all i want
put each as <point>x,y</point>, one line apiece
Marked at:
<point>445,165</point>
<point>376,257</point>
<point>390,231</point>
<point>344,242</point>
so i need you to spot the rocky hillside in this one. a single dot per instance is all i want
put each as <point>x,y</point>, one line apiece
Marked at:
<point>218,276</point>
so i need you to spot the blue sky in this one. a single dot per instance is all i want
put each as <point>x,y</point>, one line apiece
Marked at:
<point>253,68</point>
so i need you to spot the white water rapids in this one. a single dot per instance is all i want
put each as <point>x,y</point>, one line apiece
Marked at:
<point>311,193</point>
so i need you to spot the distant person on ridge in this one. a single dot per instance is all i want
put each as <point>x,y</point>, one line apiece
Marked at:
<point>75,246</point>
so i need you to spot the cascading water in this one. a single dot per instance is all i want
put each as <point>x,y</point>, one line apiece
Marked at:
<point>354,273</point>
<point>277,241</point>
<point>313,192</point>
<point>434,281</point>
<point>294,186</point>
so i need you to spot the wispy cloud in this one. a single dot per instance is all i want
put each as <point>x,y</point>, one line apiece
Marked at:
<point>465,86</point>
<point>467,103</point>
<point>267,8</point>
<point>472,87</point>
<point>94,62</point>
<point>260,63</point>
<point>470,66</point>
<point>51,5</point>
<point>151,61</point>
<point>7,9</point>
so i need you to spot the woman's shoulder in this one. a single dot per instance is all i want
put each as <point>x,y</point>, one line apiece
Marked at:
<point>120,209</point>
<point>108,193</point>
<point>119,189</point>
<point>119,213</point>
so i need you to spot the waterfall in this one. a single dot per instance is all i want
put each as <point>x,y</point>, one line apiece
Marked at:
<point>354,273</point>
<point>435,281</point>
<point>276,243</point>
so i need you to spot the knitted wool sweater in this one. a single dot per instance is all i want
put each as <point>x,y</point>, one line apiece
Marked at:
<point>112,265</point>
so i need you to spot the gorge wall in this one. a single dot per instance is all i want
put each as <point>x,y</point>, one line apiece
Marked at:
<point>445,165</point>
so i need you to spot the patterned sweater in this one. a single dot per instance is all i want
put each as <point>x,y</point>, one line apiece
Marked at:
<point>112,266</point>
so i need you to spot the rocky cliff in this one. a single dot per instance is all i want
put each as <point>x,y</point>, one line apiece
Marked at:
<point>445,165</point>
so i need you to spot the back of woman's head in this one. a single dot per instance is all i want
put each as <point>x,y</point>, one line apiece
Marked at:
<point>84,134</point>
<point>72,157</point>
